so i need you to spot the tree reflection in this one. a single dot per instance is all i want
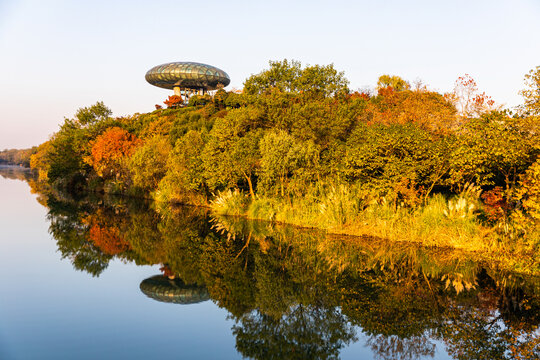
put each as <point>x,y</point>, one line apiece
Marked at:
<point>303,332</point>
<point>297,293</point>
<point>394,347</point>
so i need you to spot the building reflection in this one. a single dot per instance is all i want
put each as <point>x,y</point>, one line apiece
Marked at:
<point>164,289</point>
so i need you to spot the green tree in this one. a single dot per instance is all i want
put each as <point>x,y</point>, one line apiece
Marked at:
<point>284,76</point>
<point>492,150</point>
<point>92,114</point>
<point>231,154</point>
<point>281,155</point>
<point>383,155</point>
<point>393,81</point>
<point>148,164</point>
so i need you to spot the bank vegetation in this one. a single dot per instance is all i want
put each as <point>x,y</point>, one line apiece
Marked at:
<point>296,145</point>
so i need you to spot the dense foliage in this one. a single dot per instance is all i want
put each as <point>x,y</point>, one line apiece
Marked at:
<point>296,145</point>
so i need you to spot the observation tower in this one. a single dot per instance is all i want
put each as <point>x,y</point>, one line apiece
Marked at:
<point>187,78</point>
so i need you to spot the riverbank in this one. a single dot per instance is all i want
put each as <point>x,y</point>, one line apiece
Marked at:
<point>442,222</point>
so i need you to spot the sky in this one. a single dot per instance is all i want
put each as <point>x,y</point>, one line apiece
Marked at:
<point>58,55</point>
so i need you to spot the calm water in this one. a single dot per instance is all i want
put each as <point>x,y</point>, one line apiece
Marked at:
<point>106,277</point>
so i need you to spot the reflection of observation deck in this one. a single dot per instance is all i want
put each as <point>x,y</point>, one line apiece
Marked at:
<point>163,289</point>
<point>187,78</point>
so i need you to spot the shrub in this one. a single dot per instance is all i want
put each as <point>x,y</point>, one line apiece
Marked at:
<point>230,203</point>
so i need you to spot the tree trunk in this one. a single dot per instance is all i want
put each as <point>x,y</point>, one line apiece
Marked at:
<point>251,192</point>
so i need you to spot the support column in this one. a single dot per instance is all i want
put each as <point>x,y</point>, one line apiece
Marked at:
<point>177,91</point>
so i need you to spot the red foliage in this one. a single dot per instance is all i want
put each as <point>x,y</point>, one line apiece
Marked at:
<point>467,99</point>
<point>108,240</point>
<point>174,101</point>
<point>495,204</point>
<point>166,270</point>
<point>111,146</point>
<point>158,107</point>
<point>359,95</point>
<point>386,91</point>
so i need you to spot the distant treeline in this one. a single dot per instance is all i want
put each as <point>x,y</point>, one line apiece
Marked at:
<point>297,145</point>
<point>17,156</point>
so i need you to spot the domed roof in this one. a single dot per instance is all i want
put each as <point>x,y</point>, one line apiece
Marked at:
<point>189,75</point>
<point>163,289</point>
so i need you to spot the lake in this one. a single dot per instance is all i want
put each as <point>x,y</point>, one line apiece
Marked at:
<point>103,277</point>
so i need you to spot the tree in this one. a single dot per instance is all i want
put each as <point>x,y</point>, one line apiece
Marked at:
<point>185,171</point>
<point>383,155</point>
<point>427,109</point>
<point>282,76</point>
<point>281,155</point>
<point>174,101</point>
<point>322,81</point>
<point>39,160</point>
<point>90,115</point>
<point>231,154</point>
<point>109,150</point>
<point>393,81</point>
<point>491,150</point>
<point>468,101</point>
<point>148,164</point>
<point>289,77</point>
<point>531,94</point>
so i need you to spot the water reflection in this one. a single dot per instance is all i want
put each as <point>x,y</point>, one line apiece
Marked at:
<point>173,290</point>
<point>301,293</point>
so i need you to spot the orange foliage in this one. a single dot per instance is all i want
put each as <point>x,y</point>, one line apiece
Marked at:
<point>108,240</point>
<point>109,148</point>
<point>427,109</point>
<point>174,101</point>
<point>39,160</point>
<point>359,95</point>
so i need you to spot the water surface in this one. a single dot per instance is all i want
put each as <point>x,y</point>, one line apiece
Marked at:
<point>110,277</point>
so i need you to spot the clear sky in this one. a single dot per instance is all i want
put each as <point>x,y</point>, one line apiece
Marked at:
<point>59,55</point>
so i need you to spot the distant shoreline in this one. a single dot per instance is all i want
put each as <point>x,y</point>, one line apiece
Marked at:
<point>15,166</point>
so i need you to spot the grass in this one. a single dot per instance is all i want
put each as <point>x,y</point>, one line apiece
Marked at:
<point>440,222</point>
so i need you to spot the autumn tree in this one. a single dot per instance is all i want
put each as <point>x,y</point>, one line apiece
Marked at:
<point>106,237</point>
<point>174,101</point>
<point>426,109</point>
<point>467,99</point>
<point>39,160</point>
<point>109,151</point>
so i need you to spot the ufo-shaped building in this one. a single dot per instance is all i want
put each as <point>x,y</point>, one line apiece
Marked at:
<point>187,78</point>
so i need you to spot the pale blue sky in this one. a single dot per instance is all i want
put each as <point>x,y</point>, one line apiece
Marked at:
<point>59,55</point>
